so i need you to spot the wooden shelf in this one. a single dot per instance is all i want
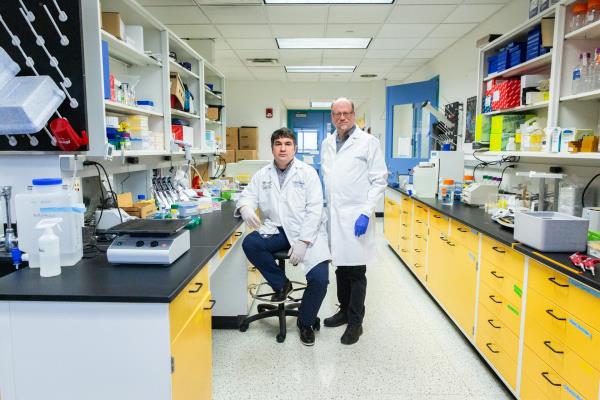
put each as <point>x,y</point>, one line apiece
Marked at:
<point>528,66</point>
<point>123,52</point>
<point>591,31</point>
<point>124,109</point>
<point>585,96</point>
<point>183,114</point>
<point>536,106</point>
<point>184,72</point>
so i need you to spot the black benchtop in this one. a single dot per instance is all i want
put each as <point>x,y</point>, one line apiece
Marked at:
<point>479,220</point>
<point>96,280</point>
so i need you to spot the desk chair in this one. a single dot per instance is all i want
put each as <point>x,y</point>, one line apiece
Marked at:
<point>268,309</point>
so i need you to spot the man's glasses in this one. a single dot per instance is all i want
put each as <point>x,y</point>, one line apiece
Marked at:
<point>342,114</point>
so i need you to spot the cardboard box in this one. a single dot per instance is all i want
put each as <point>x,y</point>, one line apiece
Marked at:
<point>231,138</point>
<point>183,133</point>
<point>212,113</point>
<point>113,24</point>
<point>248,138</point>
<point>229,156</point>
<point>547,30</point>
<point>241,155</point>
<point>177,91</point>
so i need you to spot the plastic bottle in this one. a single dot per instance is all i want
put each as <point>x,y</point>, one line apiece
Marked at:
<point>587,74</point>
<point>593,11</point>
<point>49,247</point>
<point>511,145</point>
<point>468,180</point>
<point>579,16</point>
<point>447,192</point>
<point>596,70</point>
<point>576,80</point>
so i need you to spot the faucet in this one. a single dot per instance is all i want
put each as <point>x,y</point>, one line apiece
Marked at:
<point>10,239</point>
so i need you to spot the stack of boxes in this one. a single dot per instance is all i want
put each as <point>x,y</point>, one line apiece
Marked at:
<point>502,94</point>
<point>504,127</point>
<point>242,144</point>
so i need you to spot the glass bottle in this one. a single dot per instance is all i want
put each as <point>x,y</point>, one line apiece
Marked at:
<point>593,11</point>
<point>576,81</point>
<point>579,16</point>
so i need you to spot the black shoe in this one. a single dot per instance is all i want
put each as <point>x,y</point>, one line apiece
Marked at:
<point>338,319</point>
<point>352,334</point>
<point>307,335</point>
<point>281,295</point>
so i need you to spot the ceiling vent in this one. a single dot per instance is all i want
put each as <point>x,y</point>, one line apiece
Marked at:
<point>262,62</point>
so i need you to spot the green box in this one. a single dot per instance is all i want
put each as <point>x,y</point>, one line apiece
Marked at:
<point>504,127</point>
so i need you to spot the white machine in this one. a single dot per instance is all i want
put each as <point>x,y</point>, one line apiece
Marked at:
<point>425,178</point>
<point>441,165</point>
<point>149,242</point>
<point>477,194</point>
<point>593,214</point>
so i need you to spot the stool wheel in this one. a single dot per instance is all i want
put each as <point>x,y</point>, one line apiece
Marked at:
<point>243,327</point>
<point>280,338</point>
<point>317,325</point>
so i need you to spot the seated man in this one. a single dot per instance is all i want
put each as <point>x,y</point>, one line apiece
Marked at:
<point>289,196</point>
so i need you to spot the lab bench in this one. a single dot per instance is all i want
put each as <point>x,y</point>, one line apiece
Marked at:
<point>102,331</point>
<point>532,316</point>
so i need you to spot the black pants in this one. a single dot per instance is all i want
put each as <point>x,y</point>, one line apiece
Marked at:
<point>351,291</point>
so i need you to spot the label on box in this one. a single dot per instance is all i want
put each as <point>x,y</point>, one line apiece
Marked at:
<point>488,101</point>
<point>496,96</point>
<point>576,75</point>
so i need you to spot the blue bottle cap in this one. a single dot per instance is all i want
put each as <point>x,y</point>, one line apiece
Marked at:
<point>47,182</point>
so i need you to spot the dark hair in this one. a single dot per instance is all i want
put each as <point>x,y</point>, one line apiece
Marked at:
<point>283,133</point>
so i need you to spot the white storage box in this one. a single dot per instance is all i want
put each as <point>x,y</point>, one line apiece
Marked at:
<point>8,68</point>
<point>551,231</point>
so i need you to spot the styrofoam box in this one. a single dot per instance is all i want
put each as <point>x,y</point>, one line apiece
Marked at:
<point>8,68</point>
<point>551,231</point>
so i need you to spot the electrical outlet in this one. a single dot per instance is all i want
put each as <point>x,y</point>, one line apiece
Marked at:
<point>77,185</point>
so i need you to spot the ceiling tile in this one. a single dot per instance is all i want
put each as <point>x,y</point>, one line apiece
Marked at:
<point>452,30</point>
<point>335,77</point>
<point>435,43</point>
<point>303,78</point>
<point>167,2</point>
<point>373,69</point>
<point>194,31</point>
<point>245,31</point>
<point>349,14</point>
<point>344,53</point>
<point>299,61</point>
<point>236,73</point>
<point>252,44</point>
<point>413,62</point>
<point>354,30</point>
<point>420,13</point>
<point>227,62</point>
<point>473,13</point>
<point>400,44</point>
<point>357,78</point>
<point>268,73</point>
<point>300,30</point>
<point>244,54</point>
<point>405,30</point>
<point>235,14</point>
<point>405,69</point>
<point>423,53</point>
<point>397,76</point>
<point>221,44</point>
<point>341,61</point>
<point>297,53</point>
<point>296,14</point>
<point>397,54</point>
<point>179,15</point>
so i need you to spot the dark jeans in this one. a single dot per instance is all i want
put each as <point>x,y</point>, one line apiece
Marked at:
<point>260,249</point>
<point>351,291</point>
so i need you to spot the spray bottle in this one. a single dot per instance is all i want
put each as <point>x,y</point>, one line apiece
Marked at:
<point>49,247</point>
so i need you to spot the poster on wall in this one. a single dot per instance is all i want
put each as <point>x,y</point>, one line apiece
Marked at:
<point>42,87</point>
<point>470,119</point>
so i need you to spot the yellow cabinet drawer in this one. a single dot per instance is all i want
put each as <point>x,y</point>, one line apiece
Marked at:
<point>576,334</point>
<point>439,221</point>
<point>419,226</point>
<point>505,256</point>
<point>507,312</point>
<point>236,236</point>
<point>405,247</point>
<point>576,298</point>
<point>499,279</point>
<point>464,235</point>
<point>530,391</point>
<point>547,380</point>
<point>406,204</point>
<point>562,359</point>
<point>493,328</point>
<point>421,212</point>
<point>184,305</point>
<point>499,358</point>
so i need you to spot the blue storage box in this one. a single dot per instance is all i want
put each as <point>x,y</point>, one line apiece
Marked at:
<point>492,64</point>
<point>502,60</point>
<point>516,53</point>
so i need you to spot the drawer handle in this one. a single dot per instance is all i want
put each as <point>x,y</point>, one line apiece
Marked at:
<point>212,305</point>
<point>417,251</point>
<point>418,236</point>
<point>418,221</point>
<point>417,265</point>
<point>227,247</point>
<point>547,344</point>
<point>443,238</point>
<point>463,230</point>
<point>545,375</point>
<point>490,321</point>
<point>553,280</point>
<point>496,275</point>
<point>450,243</point>
<point>198,287</point>
<point>404,212</point>
<point>421,207</point>
<point>551,313</point>
<point>404,250</point>
<point>404,225</point>
<point>238,234</point>
<point>493,298</point>
<point>436,216</point>
<point>403,238</point>
<point>499,250</point>
<point>489,346</point>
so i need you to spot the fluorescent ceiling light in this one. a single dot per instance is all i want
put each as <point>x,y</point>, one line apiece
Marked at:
<point>320,104</point>
<point>323,43</point>
<point>328,1</point>
<point>320,68</point>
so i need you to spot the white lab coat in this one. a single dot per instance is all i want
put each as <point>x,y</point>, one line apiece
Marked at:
<point>298,205</point>
<point>355,179</point>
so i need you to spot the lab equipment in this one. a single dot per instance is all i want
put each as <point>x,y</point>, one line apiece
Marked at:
<point>593,12</point>
<point>10,240</point>
<point>48,198</point>
<point>106,219</point>
<point>448,165</point>
<point>425,180</point>
<point>209,142</point>
<point>551,231</point>
<point>542,176</point>
<point>578,16</point>
<point>447,192</point>
<point>159,242</point>
<point>478,193</point>
<point>49,247</point>
<point>593,215</point>
<point>66,137</point>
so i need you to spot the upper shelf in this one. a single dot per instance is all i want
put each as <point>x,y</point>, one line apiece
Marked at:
<point>528,66</point>
<point>591,31</point>
<point>184,72</point>
<point>209,92</point>
<point>123,52</point>
<point>536,106</point>
<point>183,114</point>
<point>585,96</point>
<point>125,109</point>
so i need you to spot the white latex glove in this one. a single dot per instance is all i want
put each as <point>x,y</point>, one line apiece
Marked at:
<point>297,252</point>
<point>250,217</point>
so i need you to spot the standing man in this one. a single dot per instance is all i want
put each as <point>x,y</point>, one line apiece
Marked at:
<point>289,196</point>
<point>355,176</point>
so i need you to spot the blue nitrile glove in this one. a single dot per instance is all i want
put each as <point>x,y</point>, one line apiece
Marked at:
<point>360,227</point>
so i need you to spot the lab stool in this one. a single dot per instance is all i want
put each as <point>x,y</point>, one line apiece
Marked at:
<point>268,309</point>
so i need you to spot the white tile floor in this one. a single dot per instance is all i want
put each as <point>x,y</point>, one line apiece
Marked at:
<point>409,350</point>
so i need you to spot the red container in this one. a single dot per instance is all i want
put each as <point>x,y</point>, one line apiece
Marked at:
<point>66,137</point>
<point>507,94</point>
